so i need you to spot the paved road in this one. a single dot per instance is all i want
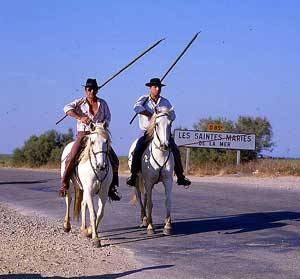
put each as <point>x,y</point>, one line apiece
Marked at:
<point>220,230</point>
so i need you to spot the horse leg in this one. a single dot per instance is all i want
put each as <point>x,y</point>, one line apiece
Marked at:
<point>100,212</point>
<point>83,230</point>
<point>143,210</point>
<point>150,228</point>
<point>168,191</point>
<point>89,199</point>
<point>67,225</point>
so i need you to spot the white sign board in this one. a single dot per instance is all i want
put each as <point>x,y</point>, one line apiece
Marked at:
<point>194,138</point>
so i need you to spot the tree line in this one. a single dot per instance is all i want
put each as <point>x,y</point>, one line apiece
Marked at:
<point>42,150</point>
<point>47,148</point>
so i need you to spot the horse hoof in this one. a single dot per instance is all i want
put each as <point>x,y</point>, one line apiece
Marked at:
<point>150,232</point>
<point>89,232</point>
<point>144,224</point>
<point>96,243</point>
<point>83,233</point>
<point>167,231</point>
<point>67,228</point>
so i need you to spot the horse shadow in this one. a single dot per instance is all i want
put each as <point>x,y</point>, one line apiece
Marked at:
<point>103,276</point>
<point>24,182</point>
<point>43,187</point>
<point>241,223</point>
<point>233,224</point>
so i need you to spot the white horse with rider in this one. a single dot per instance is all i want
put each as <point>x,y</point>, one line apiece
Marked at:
<point>155,155</point>
<point>157,166</point>
<point>92,176</point>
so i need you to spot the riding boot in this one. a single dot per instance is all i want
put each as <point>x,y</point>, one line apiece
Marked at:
<point>141,145</point>
<point>113,192</point>
<point>65,181</point>
<point>135,168</point>
<point>178,168</point>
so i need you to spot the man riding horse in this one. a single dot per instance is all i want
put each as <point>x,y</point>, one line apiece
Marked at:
<point>90,109</point>
<point>145,107</point>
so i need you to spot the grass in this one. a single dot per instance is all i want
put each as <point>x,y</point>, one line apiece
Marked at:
<point>261,167</point>
<point>5,160</point>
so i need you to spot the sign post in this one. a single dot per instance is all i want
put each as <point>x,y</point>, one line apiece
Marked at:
<point>238,157</point>
<point>187,160</point>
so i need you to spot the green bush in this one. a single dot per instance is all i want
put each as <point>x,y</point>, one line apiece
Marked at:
<point>41,150</point>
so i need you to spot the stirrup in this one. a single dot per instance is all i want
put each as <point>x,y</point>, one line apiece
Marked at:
<point>183,181</point>
<point>113,194</point>
<point>131,180</point>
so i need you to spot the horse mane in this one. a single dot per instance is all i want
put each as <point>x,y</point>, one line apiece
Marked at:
<point>103,132</point>
<point>151,128</point>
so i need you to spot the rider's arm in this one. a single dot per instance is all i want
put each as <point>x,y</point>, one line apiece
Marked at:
<point>146,113</point>
<point>139,106</point>
<point>70,110</point>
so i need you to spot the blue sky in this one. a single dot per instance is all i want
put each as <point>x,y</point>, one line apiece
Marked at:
<point>244,62</point>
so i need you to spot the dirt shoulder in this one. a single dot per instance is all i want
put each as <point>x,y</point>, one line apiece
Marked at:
<point>37,245</point>
<point>281,182</point>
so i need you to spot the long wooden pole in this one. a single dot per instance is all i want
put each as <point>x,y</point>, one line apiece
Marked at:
<point>171,67</point>
<point>123,69</point>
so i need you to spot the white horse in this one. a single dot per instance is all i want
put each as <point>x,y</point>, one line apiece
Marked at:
<point>157,166</point>
<point>95,176</point>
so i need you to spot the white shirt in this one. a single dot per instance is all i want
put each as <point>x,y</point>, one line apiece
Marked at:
<point>103,113</point>
<point>151,107</point>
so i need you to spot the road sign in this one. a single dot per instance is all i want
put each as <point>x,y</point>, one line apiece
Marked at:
<point>194,138</point>
<point>213,127</point>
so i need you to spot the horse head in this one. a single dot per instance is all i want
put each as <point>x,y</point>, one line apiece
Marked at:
<point>160,128</point>
<point>99,141</point>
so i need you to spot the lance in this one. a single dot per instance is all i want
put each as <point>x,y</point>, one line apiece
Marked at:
<point>119,72</point>
<point>172,66</point>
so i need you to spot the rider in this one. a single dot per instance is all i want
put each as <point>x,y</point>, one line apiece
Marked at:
<point>85,111</point>
<point>146,106</point>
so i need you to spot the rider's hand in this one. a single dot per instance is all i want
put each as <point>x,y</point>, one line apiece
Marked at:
<point>85,119</point>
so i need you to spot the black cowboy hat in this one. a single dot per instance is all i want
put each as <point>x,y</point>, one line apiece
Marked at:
<point>92,83</point>
<point>154,82</point>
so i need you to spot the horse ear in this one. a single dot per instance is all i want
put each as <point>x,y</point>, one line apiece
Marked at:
<point>105,125</point>
<point>92,126</point>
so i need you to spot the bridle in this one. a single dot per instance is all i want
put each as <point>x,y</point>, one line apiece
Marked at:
<point>155,131</point>
<point>151,152</point>
<point>97,168</point>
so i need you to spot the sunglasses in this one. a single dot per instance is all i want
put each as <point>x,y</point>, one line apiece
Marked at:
<point>91,88</point>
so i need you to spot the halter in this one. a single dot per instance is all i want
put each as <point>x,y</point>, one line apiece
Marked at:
<point>155,131</point>
<point>151,153</point>
<point>106,169</point>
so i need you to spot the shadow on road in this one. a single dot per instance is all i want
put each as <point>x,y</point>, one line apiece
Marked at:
<point>241,223</point>
<point>104,276</point>
<point>25,182</point>
<point>234,224</point>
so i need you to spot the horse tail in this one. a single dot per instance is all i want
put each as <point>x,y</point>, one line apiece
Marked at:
<point>77,202</point>
<point>140,184</point>
<point>140,188</point>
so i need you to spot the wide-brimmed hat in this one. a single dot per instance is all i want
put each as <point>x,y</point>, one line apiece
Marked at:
<point>91,82</point>
<point>154,82</point>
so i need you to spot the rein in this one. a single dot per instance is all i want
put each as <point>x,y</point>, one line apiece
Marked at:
<point>151,152</point>
<point>97,168</point>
